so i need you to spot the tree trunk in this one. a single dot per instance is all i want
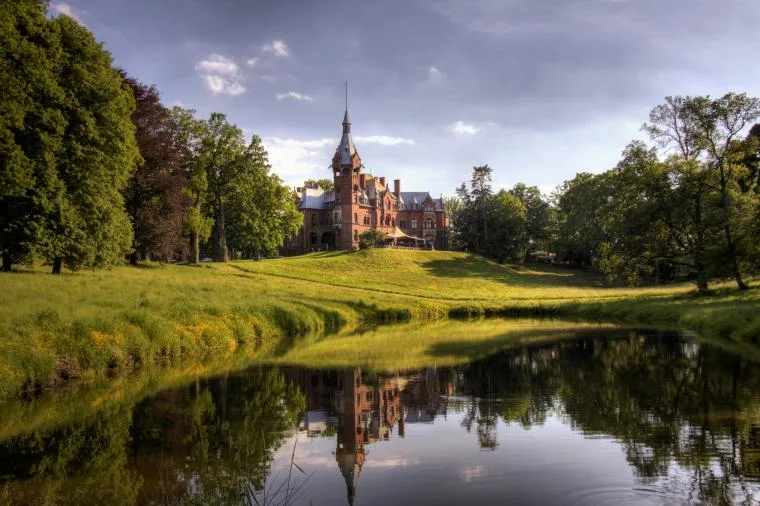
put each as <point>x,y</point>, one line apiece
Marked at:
<point>194,247</point>
<point>57,265</point>
<point>7,262</point>
<point>220,237</point>
<point>730,246</point>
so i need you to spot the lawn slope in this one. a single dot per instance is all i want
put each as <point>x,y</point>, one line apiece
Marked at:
<point>109,323</point>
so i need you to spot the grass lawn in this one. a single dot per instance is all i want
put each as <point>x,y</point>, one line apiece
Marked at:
<point>99,324</point>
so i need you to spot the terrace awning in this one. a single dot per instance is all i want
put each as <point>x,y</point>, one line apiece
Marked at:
<point>398,234</point>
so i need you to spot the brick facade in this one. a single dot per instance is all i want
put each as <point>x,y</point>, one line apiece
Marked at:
<point>360,202</point>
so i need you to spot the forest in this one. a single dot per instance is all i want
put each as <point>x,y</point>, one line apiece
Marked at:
<point>95,170</point>
<point>685,207</point>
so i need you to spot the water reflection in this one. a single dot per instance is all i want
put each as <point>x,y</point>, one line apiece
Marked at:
<point>629,416</point>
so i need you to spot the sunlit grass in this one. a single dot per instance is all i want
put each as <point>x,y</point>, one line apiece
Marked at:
<point>445,343</point>
<point>92,325</point>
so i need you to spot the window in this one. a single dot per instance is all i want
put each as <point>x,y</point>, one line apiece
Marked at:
<point>393,222</point>
<point>366,219</point>
<point>388,204</point>
<point>402,223</point>
<point>429,208</point>
<point>335,217</point>
<point>313,219</point>
<point>414,223</point>
<point>356,218</point>
<point>428,223</point>
<point>313,238</point>
<point>356,235</point>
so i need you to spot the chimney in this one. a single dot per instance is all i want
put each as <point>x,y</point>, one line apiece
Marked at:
<point>382,182</point>
<point>397,186</point>
<point>362,180</point>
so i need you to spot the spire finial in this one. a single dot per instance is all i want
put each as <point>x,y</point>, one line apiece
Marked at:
<point>346,95</point>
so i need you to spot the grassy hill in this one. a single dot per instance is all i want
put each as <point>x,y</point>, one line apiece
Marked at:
<point>107,323</point>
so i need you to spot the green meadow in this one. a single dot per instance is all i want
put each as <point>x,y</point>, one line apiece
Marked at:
<point>317,309</point>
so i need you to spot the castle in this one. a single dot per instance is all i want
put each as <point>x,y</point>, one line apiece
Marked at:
<point>360,202</point>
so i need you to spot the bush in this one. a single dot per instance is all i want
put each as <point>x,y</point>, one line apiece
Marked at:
<point>369,238</point>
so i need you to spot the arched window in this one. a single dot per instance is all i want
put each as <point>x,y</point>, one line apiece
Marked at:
<point>356,218</point>
<point>428,223</point>
<point>356,235</point>
<point>313,219</point>
<point>313,238</point>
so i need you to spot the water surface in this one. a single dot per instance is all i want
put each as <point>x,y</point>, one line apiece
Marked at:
<point>606,417</point>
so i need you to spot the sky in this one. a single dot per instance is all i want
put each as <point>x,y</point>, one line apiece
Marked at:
<point>538,89</point>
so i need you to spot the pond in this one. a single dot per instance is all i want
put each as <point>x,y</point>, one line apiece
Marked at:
<point>613,417</point>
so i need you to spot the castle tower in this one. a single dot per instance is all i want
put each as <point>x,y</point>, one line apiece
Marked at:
<point>346,165</point>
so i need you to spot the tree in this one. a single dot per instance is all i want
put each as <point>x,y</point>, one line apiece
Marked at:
<point>509,239</point>
<point>85,224</point>
<point>369,238</point>
<point>706,129</point>
<point>538,215</point>
<point>480,193</point>
<point>325,184</point>
<point>262,211</point>
<point>220,155</point>
<point>196,225</point>
<point>31,125</point>
<point>154,196</point>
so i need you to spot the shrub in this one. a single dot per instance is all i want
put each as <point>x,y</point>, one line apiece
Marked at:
<point>369,238</point>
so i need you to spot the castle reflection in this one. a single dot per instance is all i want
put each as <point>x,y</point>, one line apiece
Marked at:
<point>360,409</point>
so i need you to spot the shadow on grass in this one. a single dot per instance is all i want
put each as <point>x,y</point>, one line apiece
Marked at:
<point>480,349</point>
<point>475,266</point>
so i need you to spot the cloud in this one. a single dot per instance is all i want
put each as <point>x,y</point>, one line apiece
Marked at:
<point>277,48</point>
<point>221,75</point>
<point>295,96</point>
<point>268,78</point>
<point>434,75</point>
<point>461,128</point>
<point>66,10</point>
<point>252,61</point>
<point>384,140</point>
<point>295,160</point>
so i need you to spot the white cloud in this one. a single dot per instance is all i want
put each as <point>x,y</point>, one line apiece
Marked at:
<point>66,10</point>
<point>221,75</point>
<point>252,61</point>
<point>384,140</point>
<point>268,78</point>
<point>295,96</point>
<point>434,75</point>
<point>277,48</point>
<point>295,160</point>
<point>461,128</point>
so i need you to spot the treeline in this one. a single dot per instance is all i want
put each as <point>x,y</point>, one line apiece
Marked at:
<point>687,207</point>
<point>94,169</point>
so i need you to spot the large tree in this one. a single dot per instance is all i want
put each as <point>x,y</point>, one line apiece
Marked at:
<point>86,224</point>
<point>31,125</point>
<point>705,129</point>
<point>262,211</point>
<point>154,196</point>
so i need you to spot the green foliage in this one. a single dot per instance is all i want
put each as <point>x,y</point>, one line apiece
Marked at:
<point>369,238</point>
<point>325,184</point>
<point>262,211</point>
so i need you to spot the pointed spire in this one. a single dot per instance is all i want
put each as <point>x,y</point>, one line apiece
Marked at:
<point>346,120</point>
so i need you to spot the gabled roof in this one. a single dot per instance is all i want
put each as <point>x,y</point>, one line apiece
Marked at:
<point>414,200</point>
<point>315,198</point>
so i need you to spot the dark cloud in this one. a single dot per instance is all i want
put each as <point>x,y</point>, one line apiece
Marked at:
<point>570,78</point>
